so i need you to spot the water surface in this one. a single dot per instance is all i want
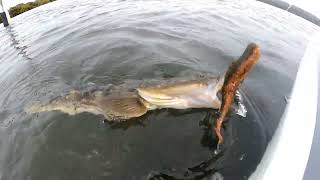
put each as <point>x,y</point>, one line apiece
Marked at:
<point>66,44</point>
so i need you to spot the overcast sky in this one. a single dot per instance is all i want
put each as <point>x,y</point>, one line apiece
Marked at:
<point>10,3</point>
<point>312,6</point>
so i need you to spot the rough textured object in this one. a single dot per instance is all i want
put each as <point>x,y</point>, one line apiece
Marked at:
<point>233,78</point>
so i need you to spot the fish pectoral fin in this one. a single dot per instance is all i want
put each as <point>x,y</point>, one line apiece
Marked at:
<point>123,107</point>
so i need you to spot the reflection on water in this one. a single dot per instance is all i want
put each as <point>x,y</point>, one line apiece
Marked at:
<point>65,44</point>
<point>199,171</point>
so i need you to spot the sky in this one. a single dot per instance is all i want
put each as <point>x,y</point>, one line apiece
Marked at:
<point>10,3</point>
<point>313,6</point>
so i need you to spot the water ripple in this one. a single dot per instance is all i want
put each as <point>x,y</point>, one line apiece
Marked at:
<point>65,44</point>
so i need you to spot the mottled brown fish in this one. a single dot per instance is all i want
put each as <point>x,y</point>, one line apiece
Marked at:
<point>135,99</point>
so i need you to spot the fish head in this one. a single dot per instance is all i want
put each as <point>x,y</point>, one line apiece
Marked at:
<point>200,93</point>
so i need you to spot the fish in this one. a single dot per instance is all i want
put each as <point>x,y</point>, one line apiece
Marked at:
<point>114,107</point>
<point>183,94</point>
<point>136,97</point>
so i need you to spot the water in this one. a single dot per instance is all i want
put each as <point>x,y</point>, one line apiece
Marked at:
<point>66,44</point>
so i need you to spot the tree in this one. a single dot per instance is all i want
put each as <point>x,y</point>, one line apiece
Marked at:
<point>23,7</point>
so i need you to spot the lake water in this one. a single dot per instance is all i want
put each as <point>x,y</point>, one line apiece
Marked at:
<point>66,44</point>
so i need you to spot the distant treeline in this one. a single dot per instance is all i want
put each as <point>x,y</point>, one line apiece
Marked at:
<point>23,7</point>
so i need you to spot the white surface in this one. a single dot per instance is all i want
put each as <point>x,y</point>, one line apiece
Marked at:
<point>287,154</point>
<point>10,3</point>
<point>1,5</point>
<point>312,6</point>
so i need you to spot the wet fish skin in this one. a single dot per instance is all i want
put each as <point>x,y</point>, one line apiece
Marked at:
<point>185,94</point>
<point>73,103</point>
<point>112,107</point>
<point>116,105</point>
<point>122,107</point>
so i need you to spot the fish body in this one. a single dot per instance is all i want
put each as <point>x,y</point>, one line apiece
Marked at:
<point>135,98</point>
<point>111,106</point>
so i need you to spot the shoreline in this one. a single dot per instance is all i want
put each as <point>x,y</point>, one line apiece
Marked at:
<point>24,7</point>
